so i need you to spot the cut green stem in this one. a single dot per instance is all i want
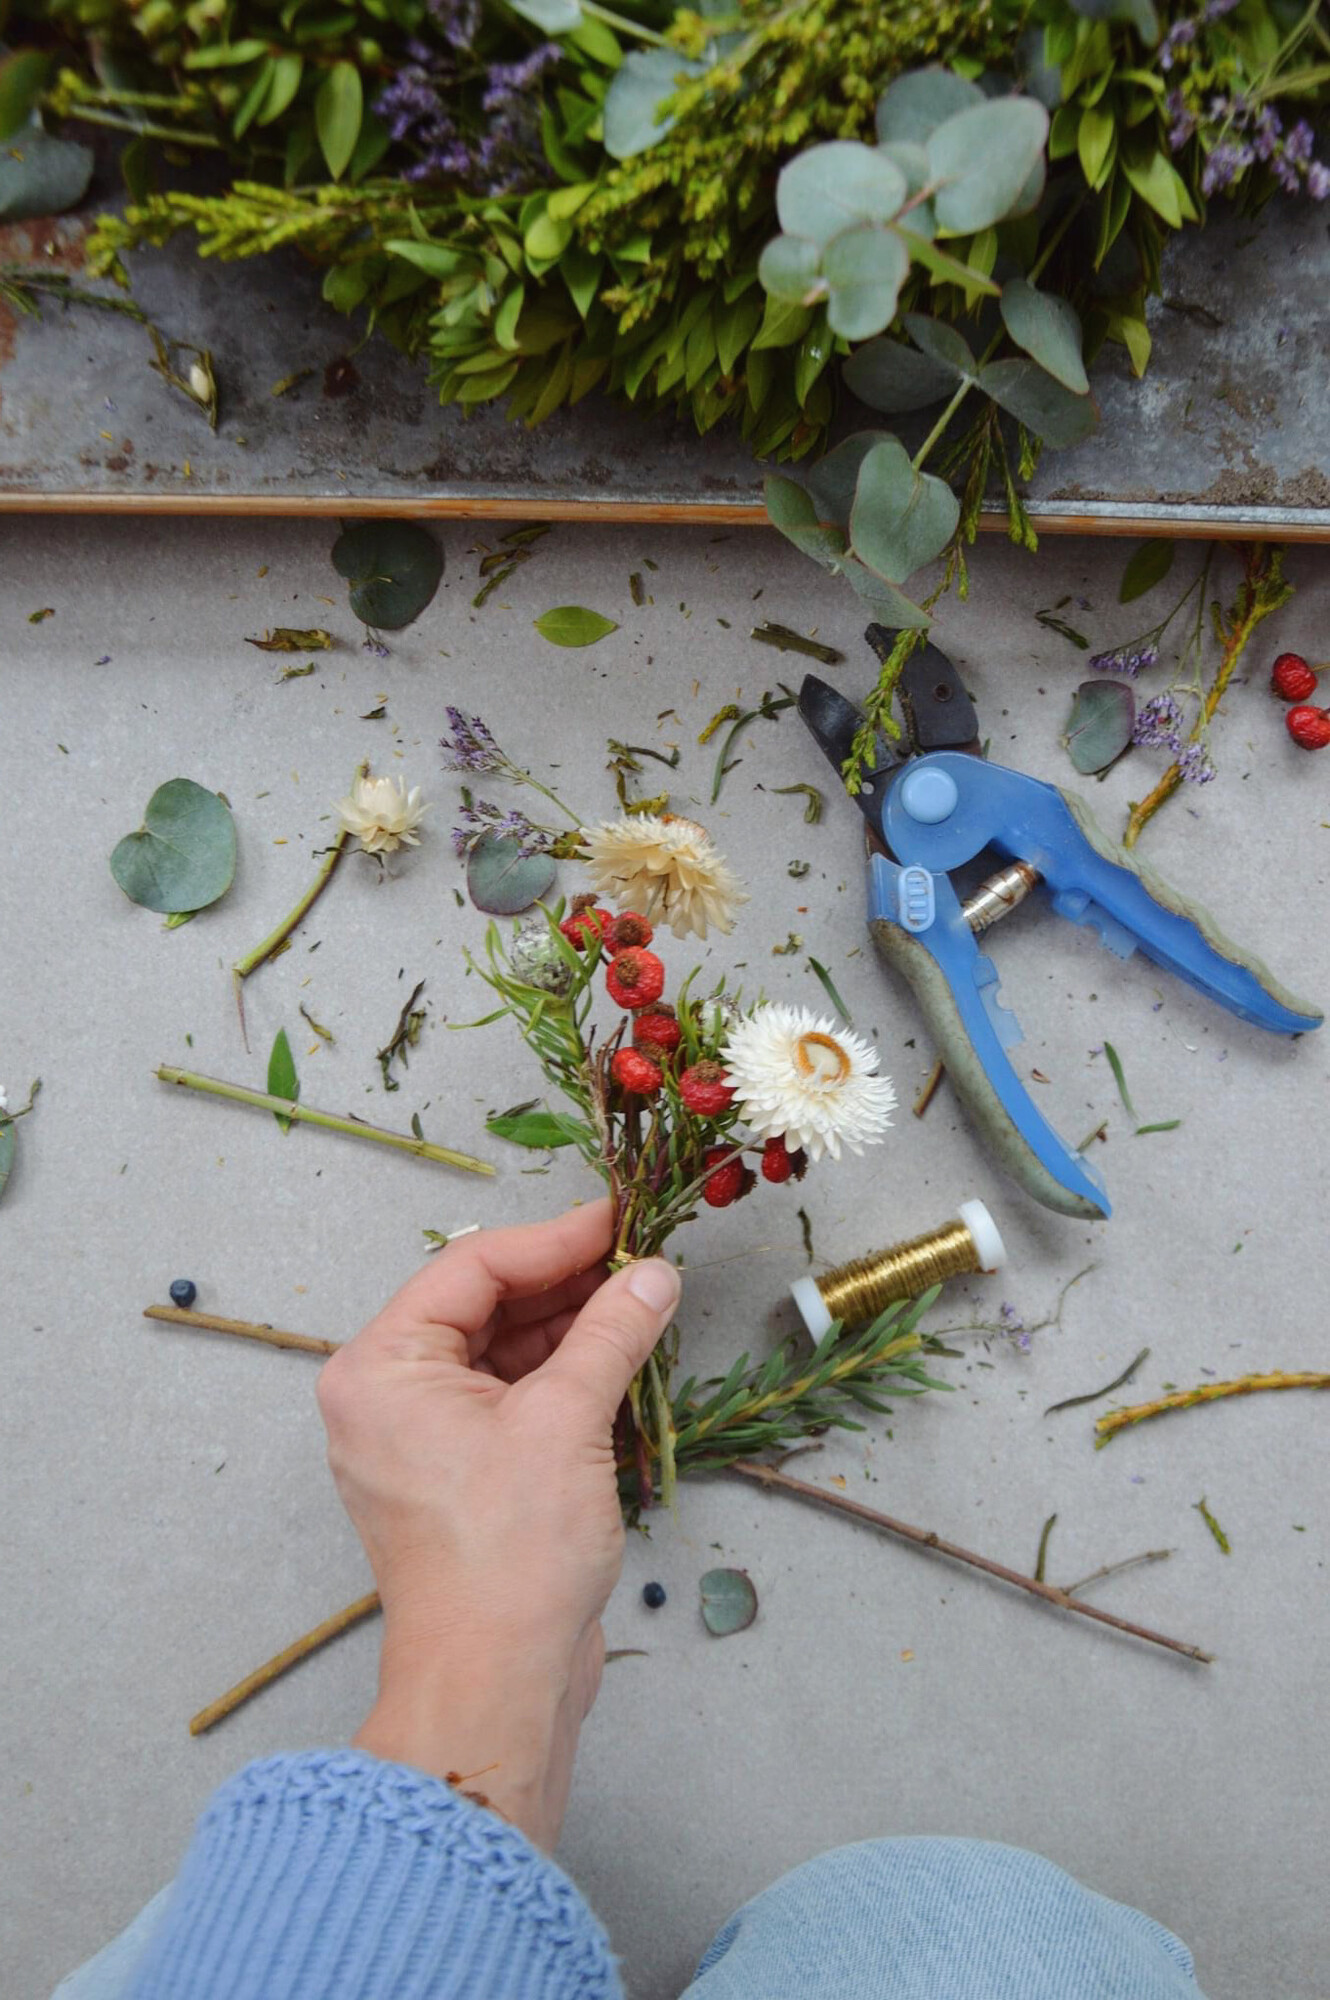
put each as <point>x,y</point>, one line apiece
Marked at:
<point>304,1114</point>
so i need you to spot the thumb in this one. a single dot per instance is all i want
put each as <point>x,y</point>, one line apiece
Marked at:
<point>615,1332</point>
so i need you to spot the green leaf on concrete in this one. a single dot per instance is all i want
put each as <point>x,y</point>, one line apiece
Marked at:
<point>836,185</point>
<point>865,269</point>
<point>40,175</point>
<point>912,107</point>
<point>1147,565</point>
<point>183,857</point>
<point>1100,724</point>
<point>282,1078</point>
<point>1048,329</point>
<point>889,376</point>
<point>984,156</point>
<point>1028,392</point>
<point>393,568</point>
<point>573,625</point>
<point>503,881</point>
<point>789,268</point>
<point>902,518</point>
<point>338,110</point>
<point>729,1601</point>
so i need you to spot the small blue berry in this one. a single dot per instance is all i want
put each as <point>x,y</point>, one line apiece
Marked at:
<point>183,1291</point>
<point>653,1595</point>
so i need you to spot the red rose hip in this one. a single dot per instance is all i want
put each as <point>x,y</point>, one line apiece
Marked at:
<point>1292,679</point>
<point>1309,727</point>
<point>635,977</point>
<point>635,1072</point>
<point>704,1090</point>
<point>628,929</point>
<point>726,1184</point>
<point>656,1028</point>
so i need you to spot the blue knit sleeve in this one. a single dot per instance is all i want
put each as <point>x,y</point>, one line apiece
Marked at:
<point>334,1876</point>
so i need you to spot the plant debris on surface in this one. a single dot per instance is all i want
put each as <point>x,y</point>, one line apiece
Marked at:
<point>403,1038</point>
<point>292,639</point>
<point>1220,1537</point>
<point>183,857</point>
<point>729,1602</point>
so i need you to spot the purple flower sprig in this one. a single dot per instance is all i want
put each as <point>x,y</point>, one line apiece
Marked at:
<point>482,816</point>
<point>473,748</point>
<point>1128,659</point>
<point>1236,129</point>
<point>468,120</point>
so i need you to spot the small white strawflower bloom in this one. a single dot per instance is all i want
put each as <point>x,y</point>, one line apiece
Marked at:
<point>807,1081</point>
<point>664,868</point>
<point>383,814</point>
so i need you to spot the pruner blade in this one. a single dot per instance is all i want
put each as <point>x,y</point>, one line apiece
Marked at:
<point>834,722</point>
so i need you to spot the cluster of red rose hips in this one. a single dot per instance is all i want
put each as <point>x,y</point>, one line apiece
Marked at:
<point>1293,680</point>
<point>635,979</point>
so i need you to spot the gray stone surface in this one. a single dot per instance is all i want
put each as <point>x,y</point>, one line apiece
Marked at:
<point>166,1516</point>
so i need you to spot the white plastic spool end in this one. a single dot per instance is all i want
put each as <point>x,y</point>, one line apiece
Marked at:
<point>986,1234</point>
<point>812,1307</point>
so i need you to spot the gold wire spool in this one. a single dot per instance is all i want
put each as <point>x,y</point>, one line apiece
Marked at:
<point>857,1291</point>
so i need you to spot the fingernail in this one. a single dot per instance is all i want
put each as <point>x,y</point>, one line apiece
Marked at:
<point>656,1283</point>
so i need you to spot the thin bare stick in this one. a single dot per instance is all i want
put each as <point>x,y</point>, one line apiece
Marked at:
<point>1208,1392</point>
<point>248,1329</point>
<point>929,1091</point>
<point>281,1663</point>
<point>304,1114</point>
<point>765,1475</point>
<point>1112,1569</point>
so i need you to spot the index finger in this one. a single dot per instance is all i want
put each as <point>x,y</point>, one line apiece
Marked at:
<point>460,1290</point>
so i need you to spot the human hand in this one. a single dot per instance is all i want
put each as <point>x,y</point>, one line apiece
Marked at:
<point>469,1432</point>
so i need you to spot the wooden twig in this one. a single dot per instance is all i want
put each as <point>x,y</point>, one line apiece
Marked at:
<point>929,1091</point>
<point>1209,1392</point>
<point>765,1475</point>
<point>1112,1569</point>
<point>281,1663</point>
<point>247,1329</point>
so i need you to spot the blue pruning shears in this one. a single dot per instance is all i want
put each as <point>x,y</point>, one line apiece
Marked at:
<point>936,804</point>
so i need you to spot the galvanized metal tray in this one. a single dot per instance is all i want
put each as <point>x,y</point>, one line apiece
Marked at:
<point>1228,435</point>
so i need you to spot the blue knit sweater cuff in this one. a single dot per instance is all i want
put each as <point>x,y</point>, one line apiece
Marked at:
<point>333,1876</point>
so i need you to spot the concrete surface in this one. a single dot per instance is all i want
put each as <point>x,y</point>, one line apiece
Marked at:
<point>167,1519</point>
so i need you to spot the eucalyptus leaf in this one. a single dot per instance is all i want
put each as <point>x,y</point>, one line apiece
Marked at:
<point>915,104</point>
<point>556,17</point>
<point>7,1141</point>
<point>183,857</point>
<point>831,480</point>
<point>393,568</point>
<point>282,1078</point>
<point>729,1601</point>
<point>902,518</point>
<point>833,186</point>
<point>40,175</point>
<point>1025,390</point>
<point>540,1130</point>
<point>789,268</point>
<point>941,343</point>
<point>338,109</point>
<point>889,605</point>
<point>647,79</point>
<point>1100,724</point>
<point>1048,329</point>
<point>889,376</point>
<point>791,509</point>
<point>865,269</point>
<point>1147,565</point>
<point>503,881</point>
<point>22,76</point>
<point>573,625</point>
<point>983,157</point>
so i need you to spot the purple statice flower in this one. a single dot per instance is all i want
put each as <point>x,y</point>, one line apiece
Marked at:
<point>1184,121</point>
<point>1298,145</point>
<point>507,82</point>
<point>1195,766</point>
<point>482,816</point>
<point>1013,1326</point>
<point>456,20</point>
<point>1126,660</point>
<point>1159,724</point>
<point>1215,10</point>
<point>1267,133</point>
<point>1176,43</point>
<point>472,747</point>
<point>1224,164</point>
<point>1318,180</point>
<point>479,126</point>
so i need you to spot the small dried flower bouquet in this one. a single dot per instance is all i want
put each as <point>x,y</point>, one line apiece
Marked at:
<point>683,1102</point>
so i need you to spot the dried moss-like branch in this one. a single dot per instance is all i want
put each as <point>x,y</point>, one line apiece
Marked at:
<point>765,1475</point>
<point>246,1329</point>
<point>1208,1392</point>
<point>281,1663</point>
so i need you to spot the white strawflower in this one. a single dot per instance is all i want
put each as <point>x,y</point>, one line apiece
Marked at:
<point>807,1081</point>
<point>383,814</point>
<point>666,869</point>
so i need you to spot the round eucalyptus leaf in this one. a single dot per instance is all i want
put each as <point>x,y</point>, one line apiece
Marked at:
<point>941,343</point>
<point>834,186</point>
<point>393,568</point>
<point>1103,714</point>
<point>644,81</point>
<point>888,605</point>
<point>889,376</point>
<point>789,268</point>
<point>916,103</point>
<point>984,157</point>
<point>1029,393</point>
<point>865,269</point>
<point>1048,329</point>
<point>40,175</point>
<point>902,518</point>
<point>729,1601</point>
<point>503,881</point>
<point>556,17</point>
<point>791,509</point>
<point>831,480</point>
<point>183,857</point>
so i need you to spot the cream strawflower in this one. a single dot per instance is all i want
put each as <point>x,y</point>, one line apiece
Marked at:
<point>383,814</point>
<point>666,869</point>
<point>807,1081</point>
